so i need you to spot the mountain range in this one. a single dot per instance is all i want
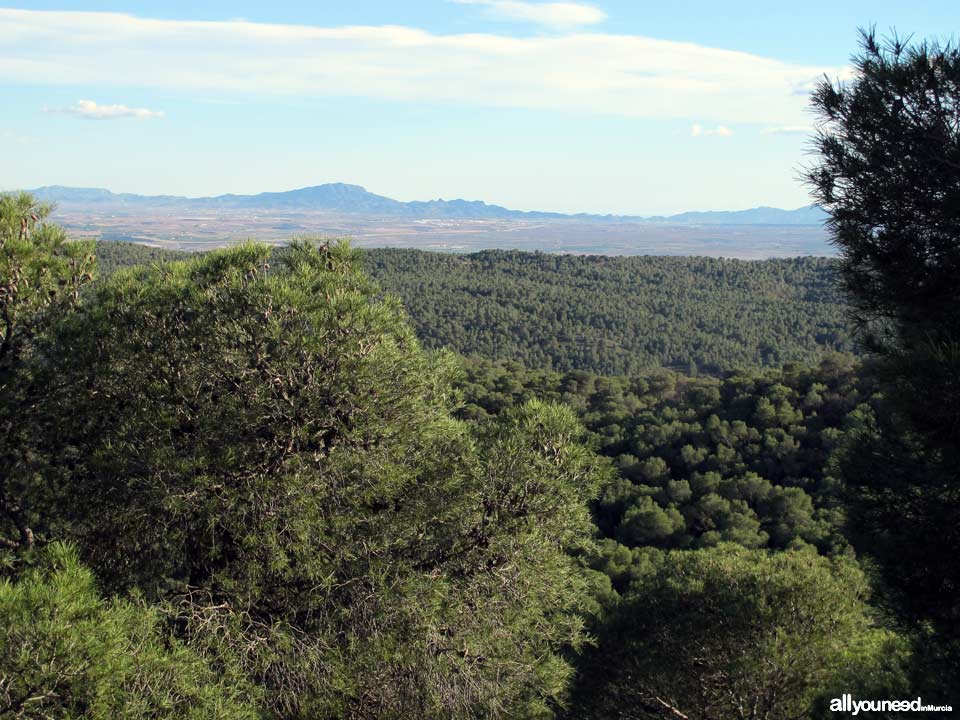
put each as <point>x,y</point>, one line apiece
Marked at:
<point>354,199</point>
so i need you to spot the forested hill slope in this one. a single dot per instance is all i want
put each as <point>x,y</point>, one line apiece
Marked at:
<point>618,315</point>
<point>112,256</point>
<point>610,315</point>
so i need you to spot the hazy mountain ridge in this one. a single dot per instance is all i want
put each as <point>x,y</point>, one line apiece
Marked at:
<point>354,199</point>
<point>809,215</point>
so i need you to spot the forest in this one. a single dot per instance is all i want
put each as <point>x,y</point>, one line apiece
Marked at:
<point>619,315</point>
<point>609,315</point>
<point>323,483</point>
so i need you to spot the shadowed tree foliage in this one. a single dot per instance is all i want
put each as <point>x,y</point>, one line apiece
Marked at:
<point>888,172</point>
<point>41,275</point>
<point>735,633</point>
<point>266,454</point>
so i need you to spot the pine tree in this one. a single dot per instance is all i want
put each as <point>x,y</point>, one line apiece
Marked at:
<point>260,447</point>
<point>888,173</point>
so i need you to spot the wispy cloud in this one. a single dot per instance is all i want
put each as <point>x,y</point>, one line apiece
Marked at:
<point>718,131</point>
<point>552,14</point>
<point>14,137</point>
<point>789,130</point>
<point>603,73</point>
<point>92,110</point>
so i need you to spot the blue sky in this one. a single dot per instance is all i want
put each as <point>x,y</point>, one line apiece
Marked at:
<point>621,106</point>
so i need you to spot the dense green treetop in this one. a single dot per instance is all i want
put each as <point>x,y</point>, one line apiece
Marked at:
<point>729,633</point>
<point>745,459</point>
<point>41,276</point>
<point>65,652</point>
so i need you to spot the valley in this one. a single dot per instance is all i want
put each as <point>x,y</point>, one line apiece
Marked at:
<point>222,228</point>
<point>346,211</point>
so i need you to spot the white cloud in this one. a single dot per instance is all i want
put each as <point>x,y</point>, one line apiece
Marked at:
<point>719,131</point>
<point>553,14</point>
<point>90,109</point>
<point>624,75</point>
<point>789,130</point>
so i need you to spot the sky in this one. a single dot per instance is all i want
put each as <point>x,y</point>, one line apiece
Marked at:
<point>609,106</point>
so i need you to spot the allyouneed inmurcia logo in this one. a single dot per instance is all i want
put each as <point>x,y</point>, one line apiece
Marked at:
<point>846,703</point>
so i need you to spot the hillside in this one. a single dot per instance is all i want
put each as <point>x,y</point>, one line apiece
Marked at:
<point>612,315</point>
<point>618,315</point>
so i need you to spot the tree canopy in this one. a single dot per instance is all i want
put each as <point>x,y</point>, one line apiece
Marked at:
<point>735,633</point>
<point>264,453</point>
<point>41,275</point>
